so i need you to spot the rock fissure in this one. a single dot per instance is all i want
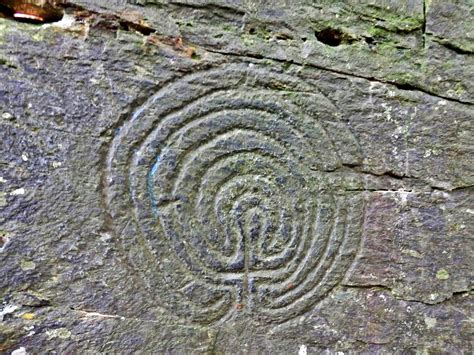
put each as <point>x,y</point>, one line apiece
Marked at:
<point>452,46</point>
<point>110,21</point>
<point>400,86</point>
<point>393,292</point>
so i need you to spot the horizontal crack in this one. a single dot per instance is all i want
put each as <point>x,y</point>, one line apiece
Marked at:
<point>451,46</point>
<point>453,295</point>
<point>389,174</point>
<point>374,287</point>
<point>400,86</point>
<point>210,7</point>
<point>98,315</point>
<point>410,181</point>
<point>380,287</point>
<point>117,20</point>
<point>458,188</point>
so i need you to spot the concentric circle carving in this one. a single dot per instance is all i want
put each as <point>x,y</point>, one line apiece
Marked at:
<point>219,189</point>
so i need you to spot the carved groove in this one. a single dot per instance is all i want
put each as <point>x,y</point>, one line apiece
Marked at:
<point>218,191</point>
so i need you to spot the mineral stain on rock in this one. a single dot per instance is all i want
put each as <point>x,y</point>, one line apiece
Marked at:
<point>32,11</point>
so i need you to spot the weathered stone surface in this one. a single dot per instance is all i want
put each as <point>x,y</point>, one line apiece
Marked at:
<point>190,176</point>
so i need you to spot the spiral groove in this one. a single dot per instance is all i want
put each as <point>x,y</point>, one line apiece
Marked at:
<point>217,190</point>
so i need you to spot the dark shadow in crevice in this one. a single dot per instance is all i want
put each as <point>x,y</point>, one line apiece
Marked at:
<point>330,36</point>
<point>334,37</point>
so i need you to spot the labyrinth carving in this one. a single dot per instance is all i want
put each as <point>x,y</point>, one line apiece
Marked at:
<point>221,195</point>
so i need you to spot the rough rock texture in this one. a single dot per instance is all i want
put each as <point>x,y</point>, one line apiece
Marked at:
<point>238,176</point>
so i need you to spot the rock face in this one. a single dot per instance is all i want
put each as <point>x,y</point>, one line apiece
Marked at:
<point>238,176</point>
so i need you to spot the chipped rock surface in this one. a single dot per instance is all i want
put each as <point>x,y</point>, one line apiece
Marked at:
<point>238,176</point>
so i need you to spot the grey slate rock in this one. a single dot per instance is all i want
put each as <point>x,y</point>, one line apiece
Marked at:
<point>238,176</point>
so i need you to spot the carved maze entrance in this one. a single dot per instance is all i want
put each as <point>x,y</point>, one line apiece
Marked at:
<point>220,192</point>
